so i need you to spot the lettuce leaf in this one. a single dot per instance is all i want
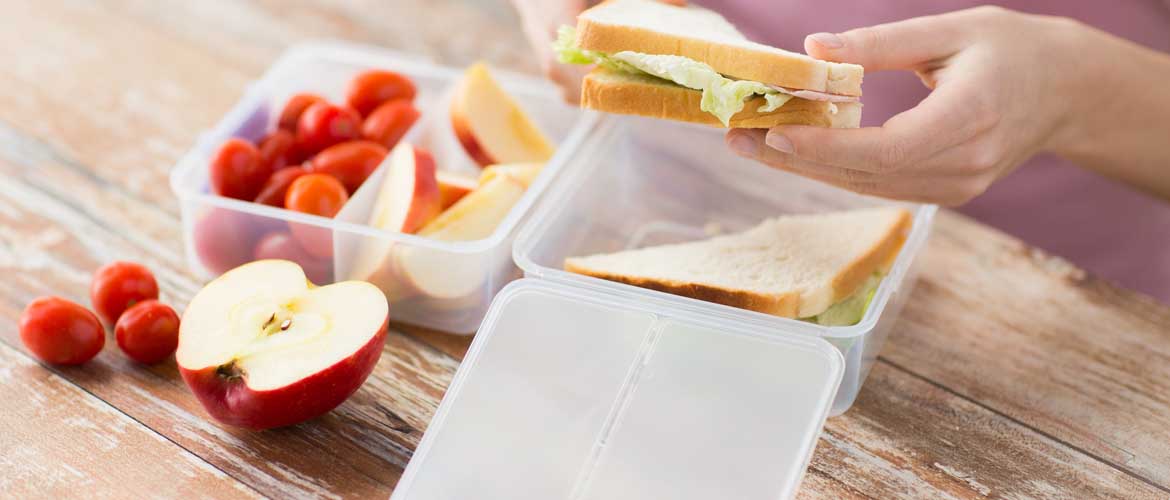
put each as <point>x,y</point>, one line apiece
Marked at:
<point>849,311</point>
<point>722,96</point>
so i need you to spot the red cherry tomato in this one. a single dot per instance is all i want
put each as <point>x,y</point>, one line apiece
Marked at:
<point>224,238</point>
<point>61,332</point>
<point>323,125</point>
<point>317,194</point>
<point>277,186</point>
<point>350,162</point>
<point>293,109</point>
<point>237,170</point>
<point>276,148</point>
<point>282,245</point>
<point>148,332</point>
<point>119,285</point>
<point>389,122</point>
<point>370,89</point>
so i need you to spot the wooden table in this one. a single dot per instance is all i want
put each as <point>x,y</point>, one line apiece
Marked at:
<point>1011,373</point>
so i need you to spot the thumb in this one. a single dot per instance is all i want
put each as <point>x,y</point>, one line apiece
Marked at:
<point>909,44</point>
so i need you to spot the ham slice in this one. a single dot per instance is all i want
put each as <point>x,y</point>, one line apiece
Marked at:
<point>813,95</point>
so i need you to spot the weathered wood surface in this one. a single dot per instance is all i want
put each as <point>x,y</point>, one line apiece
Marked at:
<point>1011,373</point>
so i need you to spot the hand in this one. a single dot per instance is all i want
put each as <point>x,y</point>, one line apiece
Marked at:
<point>1005,85</point>
<point>540,20</point>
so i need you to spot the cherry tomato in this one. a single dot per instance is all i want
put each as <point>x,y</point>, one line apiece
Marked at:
<point>350,162</point>
<point>276,149</point>
<point>389,122</point>
<point>317,194</point>
<point>119,285</point>
<point>323,125</point>
<point>293,109</point>
<point>370,89</point>
<point>61,332</point>
<point>274,190</point>
<point>148,332</point>
<point>282,245</point>
<point>237,170</point>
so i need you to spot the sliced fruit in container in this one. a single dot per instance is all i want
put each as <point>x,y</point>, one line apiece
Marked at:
<point>407,199</point>
<point>262,347</point>
<point>315,194</point>
<point>491,126</point>
<point>453,187</point>
<point>523,172</point>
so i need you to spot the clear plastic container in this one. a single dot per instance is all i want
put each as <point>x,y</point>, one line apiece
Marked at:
<point>570,392</point>
<point>221,233</point>
<point>646,182</point>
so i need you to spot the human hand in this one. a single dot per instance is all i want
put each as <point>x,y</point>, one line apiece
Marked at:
<point>540,20</point>
<point>1003,85</point>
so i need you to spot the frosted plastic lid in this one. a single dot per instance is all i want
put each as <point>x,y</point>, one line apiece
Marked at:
<point>567,393</point>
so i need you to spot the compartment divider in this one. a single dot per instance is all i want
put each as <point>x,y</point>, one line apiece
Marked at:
<point>617,409</point>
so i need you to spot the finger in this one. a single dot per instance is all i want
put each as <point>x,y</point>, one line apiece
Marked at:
<point>680,3</point>
<point>951,115</point>
<point>900,45</point>
<point>932,186</point>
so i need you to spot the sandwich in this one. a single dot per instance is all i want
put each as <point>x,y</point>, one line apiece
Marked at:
<point>822,268</point>
<point>690,64</point>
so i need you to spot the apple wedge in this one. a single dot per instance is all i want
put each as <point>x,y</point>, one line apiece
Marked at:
<point>523,172</point>
<point>448,275</point>
<point>491,126</point>
<point>262,347</point>
<point>453,186</point>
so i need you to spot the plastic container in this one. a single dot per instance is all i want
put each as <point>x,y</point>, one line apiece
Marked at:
<point>646,182</point>
<point>220,233</point>
<point>571,392</point>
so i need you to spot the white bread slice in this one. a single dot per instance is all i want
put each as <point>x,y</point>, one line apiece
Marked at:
<point>652,27</point>
<point>645,95</point>
<point>792,266</point>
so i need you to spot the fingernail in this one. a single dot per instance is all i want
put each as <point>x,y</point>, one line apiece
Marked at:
<point>827,40</point>
<point>778,142</point>
<point>743,145</point>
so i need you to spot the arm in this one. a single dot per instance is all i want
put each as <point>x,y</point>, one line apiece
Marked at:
<point>1005,87</point>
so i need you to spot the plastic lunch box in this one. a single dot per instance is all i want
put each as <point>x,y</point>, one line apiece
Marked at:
<point>576,387</point>
<point>221,232</point>
<point>580,388</point>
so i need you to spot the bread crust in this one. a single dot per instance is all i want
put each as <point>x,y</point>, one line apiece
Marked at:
<point>879,258</point>
<point>603,90</point>
<point>784,305</point>
<point>785,69</point>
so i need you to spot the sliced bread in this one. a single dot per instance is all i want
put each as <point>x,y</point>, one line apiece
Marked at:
<point>644,95</point>
<point>653,27</point>
<point>794,266</point>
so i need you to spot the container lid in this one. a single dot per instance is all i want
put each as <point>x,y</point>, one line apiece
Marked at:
<point>567,393</point>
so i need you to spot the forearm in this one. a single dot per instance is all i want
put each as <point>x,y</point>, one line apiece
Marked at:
<point>1120,124</point>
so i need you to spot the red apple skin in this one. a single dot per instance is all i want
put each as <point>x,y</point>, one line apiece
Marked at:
<point>232,402</point>
<point>472,146</point>
<point>427,199</point>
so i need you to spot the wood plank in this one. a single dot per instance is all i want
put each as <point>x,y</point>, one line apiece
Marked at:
<point>60,441</point>
<point>1032,337</point>
<point>907,437</point>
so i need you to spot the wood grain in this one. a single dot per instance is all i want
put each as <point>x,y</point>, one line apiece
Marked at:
<point>60,442</point>
<point>1054,387</point>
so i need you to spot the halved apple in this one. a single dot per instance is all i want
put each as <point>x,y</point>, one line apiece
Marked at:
<point>453,186</point>
<point>491,126</point>
<point>523,172</point>
<point>262,347</point>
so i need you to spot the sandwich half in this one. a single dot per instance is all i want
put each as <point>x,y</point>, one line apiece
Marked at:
<point>822,268</point>
<point>690,64</point>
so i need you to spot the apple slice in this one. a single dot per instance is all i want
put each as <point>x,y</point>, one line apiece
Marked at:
<point>453,186</point>
<point>490,125</point>
<point>262,347</point>
<point>523,172</point>
<point>408,198</point>
<point>448,275</point>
